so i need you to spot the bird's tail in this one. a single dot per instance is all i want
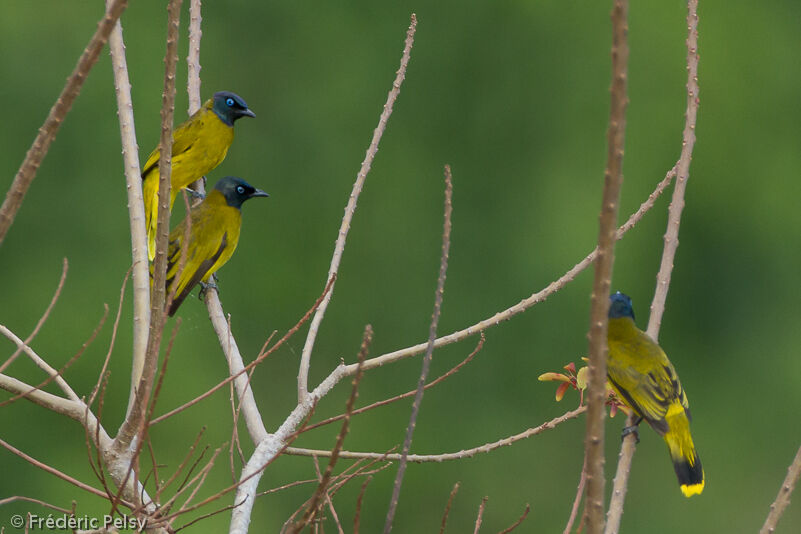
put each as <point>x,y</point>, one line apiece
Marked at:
<point>682,451</point>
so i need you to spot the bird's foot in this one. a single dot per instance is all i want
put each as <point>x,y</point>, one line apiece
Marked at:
<point>205,286</point>
<point>633,429</point>
<point>195,194</point>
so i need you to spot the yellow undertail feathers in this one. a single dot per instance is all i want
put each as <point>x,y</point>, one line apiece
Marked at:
<point>645,380</point>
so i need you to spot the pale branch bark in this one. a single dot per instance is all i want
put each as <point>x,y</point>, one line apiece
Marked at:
<point>47,133</point>
<point>444,457</point>
<point>682,168</point>
<point>783,498</point>
<point>526,303</point>
<point>426,364</point>
<point>135,421</point>
<point>613,180</point>
<point>193,73</point>
<point>325,478</point>
<point>350,208</point>
<point>136,208</point>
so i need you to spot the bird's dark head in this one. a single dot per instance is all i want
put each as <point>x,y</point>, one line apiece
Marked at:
<point>236,191</point>
<point>620,306</point>
<point>230,106</point>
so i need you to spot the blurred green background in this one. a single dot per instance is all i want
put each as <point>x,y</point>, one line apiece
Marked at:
<point>514,95</point>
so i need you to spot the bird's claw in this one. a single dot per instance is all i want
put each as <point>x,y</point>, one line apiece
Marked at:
<point>205,286</point>
<point>195,194</point>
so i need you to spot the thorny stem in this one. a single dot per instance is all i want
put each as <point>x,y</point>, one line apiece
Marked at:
<point>613,180</point>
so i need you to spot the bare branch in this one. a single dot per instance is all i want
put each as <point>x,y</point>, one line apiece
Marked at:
<point>358,514</point>
<point>526,303</point>
<point>613,180</point>
<point>628,446</point>
<point>42,319</point>
<point>408,394</point>
<point>479,519</point>
<point>518,522</point>
<point>193,74</point>
<point>339,247</point>
<point>783,498</point>
<point>53,471</point>
<point>577,500</point>
<point>322,488</point>
<point>48,131</point>
<point>448,508</point>
<point>137,414</point>
<point>136,208</point>
<point>432,335</point>
<point>460,455</point>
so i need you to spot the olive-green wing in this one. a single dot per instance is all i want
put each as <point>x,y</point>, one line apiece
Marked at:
<point>182,139</point>
<point>641,372</point>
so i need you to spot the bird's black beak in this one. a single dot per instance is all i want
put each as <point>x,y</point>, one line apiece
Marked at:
<point>247,113</point>
<point>258,193</point>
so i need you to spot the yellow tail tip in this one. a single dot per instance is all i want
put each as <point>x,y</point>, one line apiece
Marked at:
<point>692,489</point>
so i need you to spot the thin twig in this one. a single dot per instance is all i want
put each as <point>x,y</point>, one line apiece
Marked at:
<point>453,370</point>
<point>193,74</point>
<point>48,131</point>
<point>613,180</point>
<point>104,368</point>
<point>517,523</point>
<point>783,498</point>
<point>354,393</point>
<point>682,167</point>
<point>444,457</point>
<point>339,247</point>
<point>136,419</point>
<point>480,517</point>
<point>42,319</point>
<point>577,500</point>
<point>15,498</point>
<point>358,514</point>
<point>432,335</point>
<point>448,508</point>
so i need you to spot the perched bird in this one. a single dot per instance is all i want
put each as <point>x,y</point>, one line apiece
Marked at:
<point>198,146</point>
<point>645,380</point>
<point>213,235</point>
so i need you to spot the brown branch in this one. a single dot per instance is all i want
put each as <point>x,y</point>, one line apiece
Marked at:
<point>517,523</point>
<point>528,302</point>
<point>15,498</point>
<point>354,393</point>
<point>107,359</point>
<point>783,498</point>
<point>448,508</point>
<point>577,500</point>
<point>453,370</point>
<point>53,471</point>
<point>358,514</point>
<point>480,517</point>
<point>42,319</point>
<point>339,247</point>
<point>460,455</point>
<point>613,180</point>
<point>432,335</point>
<point>682,167</point>
<point>136,418</point>
<point>48,131</point>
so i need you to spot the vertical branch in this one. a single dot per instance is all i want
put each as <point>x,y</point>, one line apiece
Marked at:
<point>138,411</point>
<point>339,247</point>
<point>193,71</point>
<point>136,207</point>
<point>613,179</point>
<point>783,498</point>
<point>432,335</point>
<point>48,131</point>
<point>682,174</point>
<point>620,485</point>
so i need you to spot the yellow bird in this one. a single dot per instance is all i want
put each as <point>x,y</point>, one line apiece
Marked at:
<point>645,380</point>
<point>213,236</point>
<point>198,146</point>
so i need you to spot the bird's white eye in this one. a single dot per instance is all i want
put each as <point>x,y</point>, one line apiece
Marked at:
<point>240,190</point>
<point>229,102</point>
